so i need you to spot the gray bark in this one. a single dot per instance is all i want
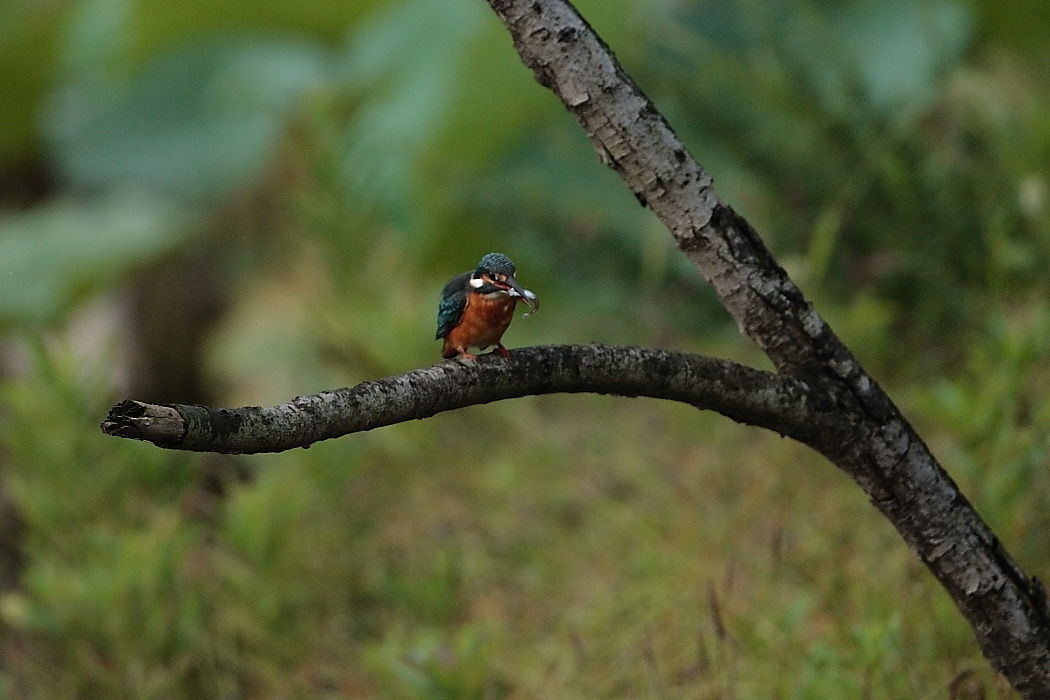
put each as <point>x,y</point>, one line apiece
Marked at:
<point>764,399</point>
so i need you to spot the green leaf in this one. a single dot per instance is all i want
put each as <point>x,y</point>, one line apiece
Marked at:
<point>408,61</point>
<point>901,48</point>
<point>50,256</point>
<point>199,123</point>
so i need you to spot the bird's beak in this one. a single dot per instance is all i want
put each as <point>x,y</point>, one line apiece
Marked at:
<point>515,288</point>
<point>526,295</point>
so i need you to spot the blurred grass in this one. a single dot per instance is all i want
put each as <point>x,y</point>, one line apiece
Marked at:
<point>569,547</point>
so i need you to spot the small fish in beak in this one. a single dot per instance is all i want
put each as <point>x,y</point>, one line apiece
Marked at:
<point>526,295</point>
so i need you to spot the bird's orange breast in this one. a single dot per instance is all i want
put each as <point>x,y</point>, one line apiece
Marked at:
<point>485,320</point>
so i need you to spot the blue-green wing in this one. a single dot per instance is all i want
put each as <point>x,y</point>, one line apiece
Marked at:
<point>453,301</point>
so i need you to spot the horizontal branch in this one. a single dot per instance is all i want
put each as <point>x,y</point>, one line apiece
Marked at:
<point>783,404</point>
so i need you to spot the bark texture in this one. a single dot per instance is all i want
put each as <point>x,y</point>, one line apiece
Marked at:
<point>764,399</point>
<point>1007,610</point>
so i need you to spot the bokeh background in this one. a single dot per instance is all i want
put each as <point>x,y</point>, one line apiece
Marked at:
<point>236,203</point>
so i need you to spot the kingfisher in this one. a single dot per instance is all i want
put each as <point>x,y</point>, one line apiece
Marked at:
<point>476,307</point>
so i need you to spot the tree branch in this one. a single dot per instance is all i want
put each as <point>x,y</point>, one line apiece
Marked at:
<point>632,137</point>
<point>779,403</point>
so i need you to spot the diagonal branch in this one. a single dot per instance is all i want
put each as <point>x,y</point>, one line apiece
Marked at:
<point>632,137</point>
<point>785,405</point>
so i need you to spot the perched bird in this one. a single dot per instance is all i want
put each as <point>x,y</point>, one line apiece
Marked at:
<point>477,307</point>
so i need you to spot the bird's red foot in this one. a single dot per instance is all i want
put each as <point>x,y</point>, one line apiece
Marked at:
<point>503,351</point>
<point>466,356</point>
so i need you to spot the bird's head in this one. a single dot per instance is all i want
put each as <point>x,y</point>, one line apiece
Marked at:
<point>495,273</point>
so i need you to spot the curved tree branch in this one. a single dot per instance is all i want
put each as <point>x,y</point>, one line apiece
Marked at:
<point>783,404</point>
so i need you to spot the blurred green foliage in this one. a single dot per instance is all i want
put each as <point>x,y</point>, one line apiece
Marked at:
<point>54,256</point>
<point>344,160</point>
